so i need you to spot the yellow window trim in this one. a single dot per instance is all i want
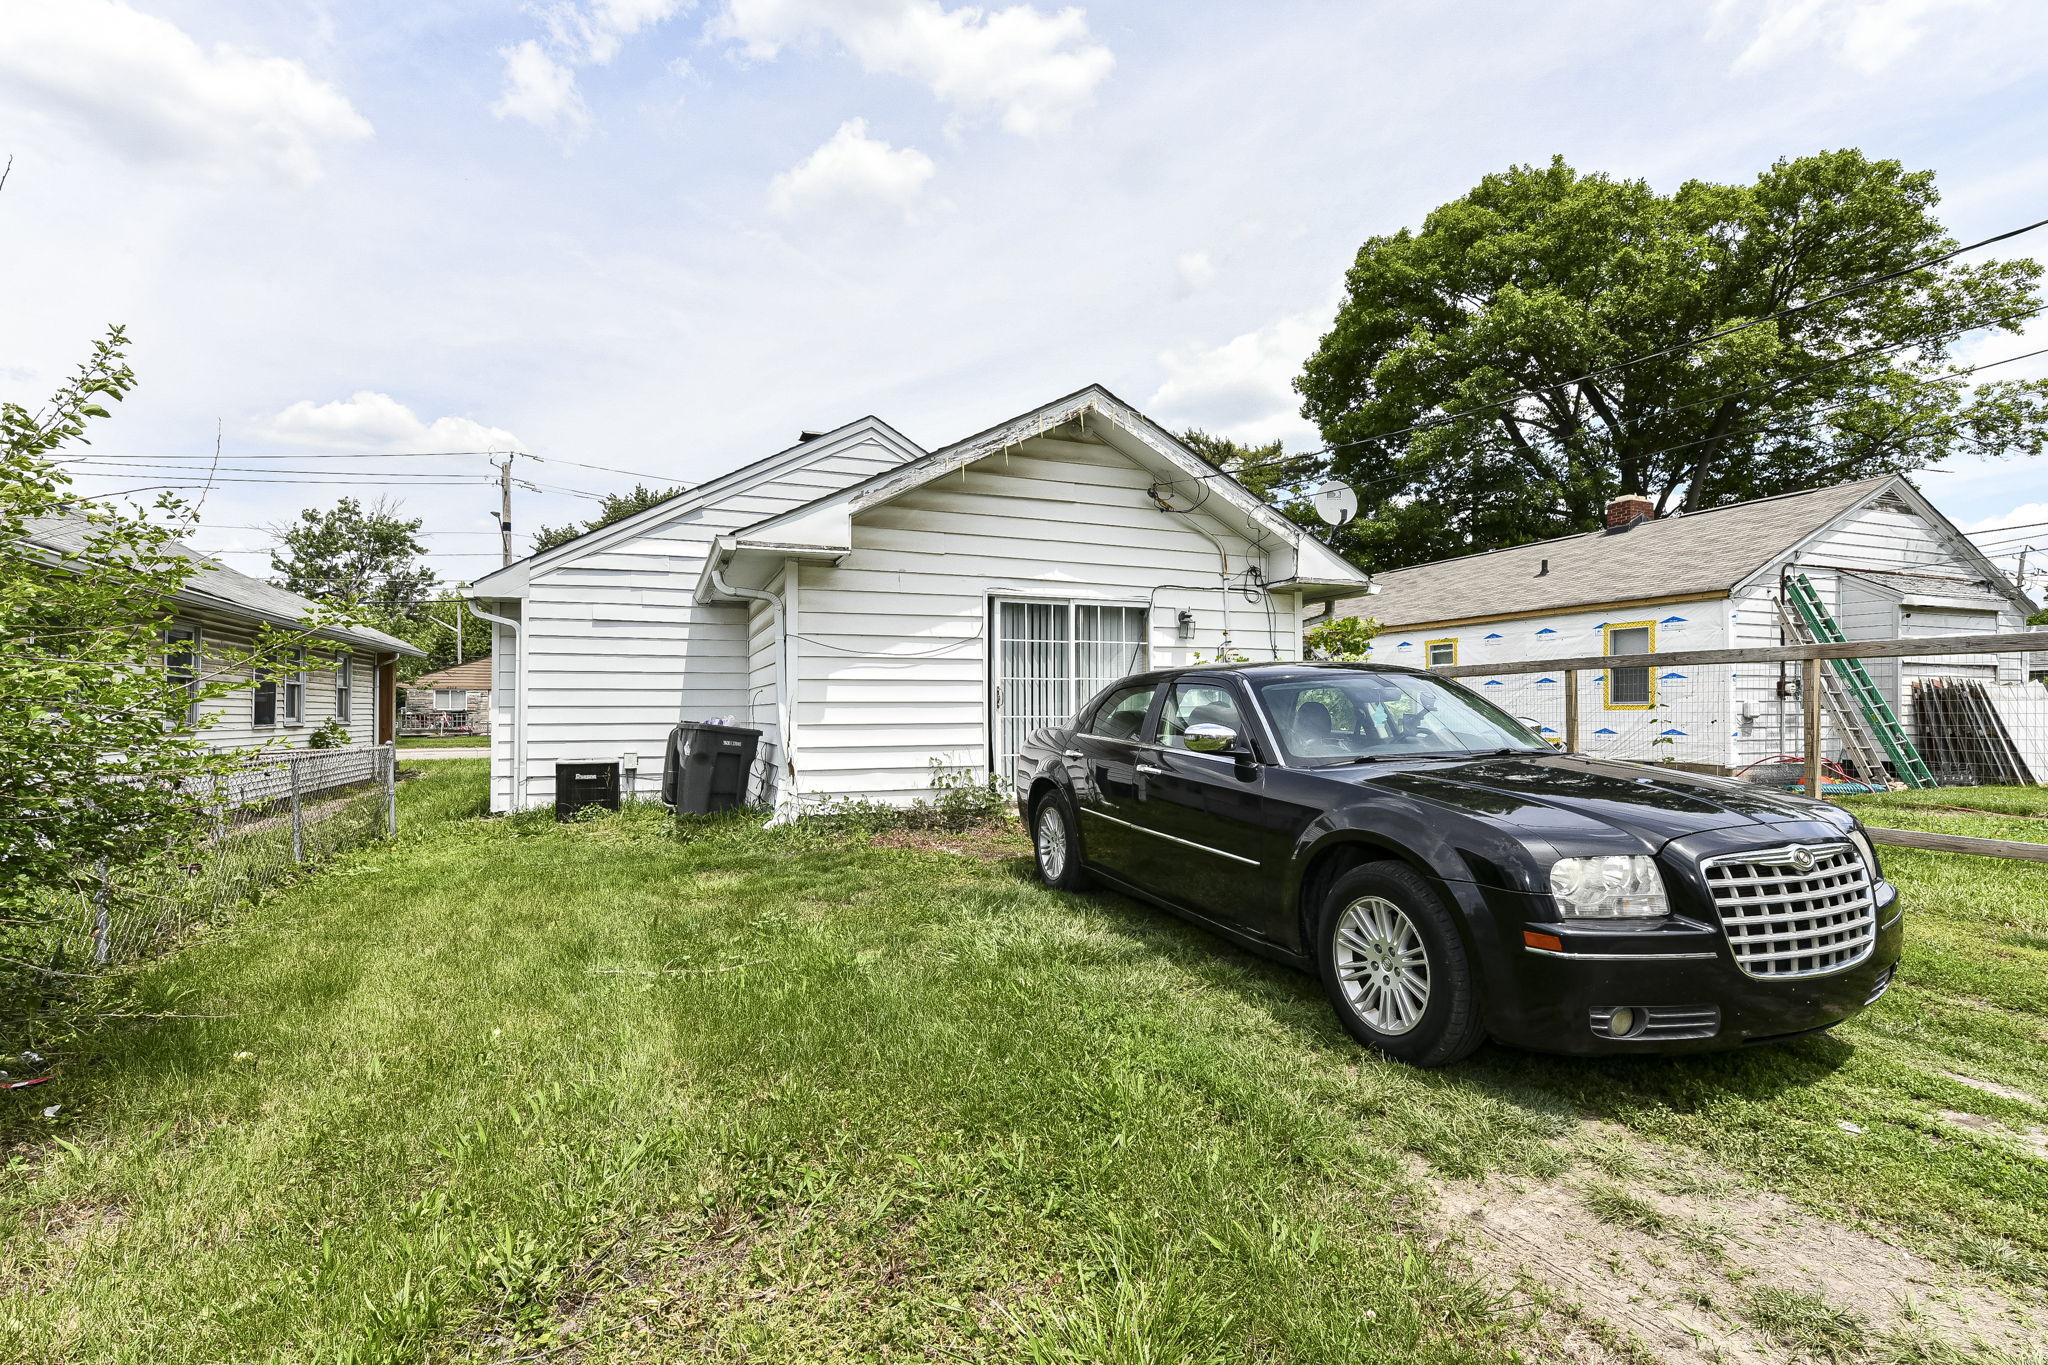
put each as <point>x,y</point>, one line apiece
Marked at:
<point>1607,677</point>
<point>1428,645</point>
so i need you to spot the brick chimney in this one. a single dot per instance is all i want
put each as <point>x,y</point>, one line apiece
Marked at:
<point>1628,509</point>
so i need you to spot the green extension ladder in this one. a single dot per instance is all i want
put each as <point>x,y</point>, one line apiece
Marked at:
<point>1855,678</point>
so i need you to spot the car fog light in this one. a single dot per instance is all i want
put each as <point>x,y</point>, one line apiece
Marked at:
<point>1616,886</point>
<point>1621,1023</point>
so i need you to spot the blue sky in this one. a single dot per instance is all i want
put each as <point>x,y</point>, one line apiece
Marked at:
<point>662,237</point>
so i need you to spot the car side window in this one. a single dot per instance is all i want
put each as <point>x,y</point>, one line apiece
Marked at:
<point>1196,703</point>
<point>1122,713</point>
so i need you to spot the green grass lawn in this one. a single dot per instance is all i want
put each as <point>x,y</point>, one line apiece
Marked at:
<point>444,741</point>
<point>502,1087</point>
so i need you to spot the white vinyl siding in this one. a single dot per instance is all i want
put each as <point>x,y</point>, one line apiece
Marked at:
<point>617,649</point>
<point>898,667</point>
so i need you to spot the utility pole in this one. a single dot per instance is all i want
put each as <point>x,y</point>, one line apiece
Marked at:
<point>505,504</point>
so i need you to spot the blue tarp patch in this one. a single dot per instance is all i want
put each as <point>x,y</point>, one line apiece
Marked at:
<point>1405,644</point>
<point>1603,732</point>
<point>1665,677</point>
<point>1493,637</point>
<point>1546,631</point>
<point>1495,682</point>
<point>1672,621</point>
<point>1671,732</point>
<point>1546,680</point>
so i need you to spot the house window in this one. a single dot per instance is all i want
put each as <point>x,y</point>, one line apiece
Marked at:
<point>1631,689</point>
<point>450,699</point>
<point>263,710</point>
<point>295,687</point>
<point>1052,656</point>
<point>181,667</point>
<point>1442,652</point>
<point>345,688</point>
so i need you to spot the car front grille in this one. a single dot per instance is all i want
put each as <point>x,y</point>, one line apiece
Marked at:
<point>1785,920</point>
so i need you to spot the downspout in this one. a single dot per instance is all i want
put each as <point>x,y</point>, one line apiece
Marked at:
<point>517,794</point>
<point>1223,575</point>
<point>785,790</point>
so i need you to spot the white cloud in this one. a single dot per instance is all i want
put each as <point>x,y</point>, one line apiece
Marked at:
<point>854,171</point>
<point>1194,271</point>
<point>540,90</point>
<point>592,34</point>
<point>144,88</point>
<point>1242,389</point>
<point>373,422</point>
<point>1033,69</point>
<point>1868,36</point>
<point>540,82</point>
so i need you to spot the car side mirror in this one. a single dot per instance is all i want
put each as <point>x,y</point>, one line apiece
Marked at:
<point>1210,739</point>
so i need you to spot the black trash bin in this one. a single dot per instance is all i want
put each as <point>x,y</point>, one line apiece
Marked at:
<point>707,766</point>
<point>585,784</point>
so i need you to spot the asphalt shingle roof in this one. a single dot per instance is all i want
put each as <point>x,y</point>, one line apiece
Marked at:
<point>219,588</point>
<point>473,676</point>
<point>1703,552</point>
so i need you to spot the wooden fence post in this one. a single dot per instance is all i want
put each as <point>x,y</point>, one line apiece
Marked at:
<point>1571,710</point>
<point>1809,703</point>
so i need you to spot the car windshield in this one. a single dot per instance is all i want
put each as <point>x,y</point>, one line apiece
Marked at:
<point>1333,717</point>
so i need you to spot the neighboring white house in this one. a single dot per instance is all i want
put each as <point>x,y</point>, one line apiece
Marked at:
<point>928,606</point>
<point>346,674</point>
<point>1882,559</point>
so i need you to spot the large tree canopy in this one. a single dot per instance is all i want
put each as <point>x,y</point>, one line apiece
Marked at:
<point>354,556</point>
<point>1510,327</point>
<point>614,507</point>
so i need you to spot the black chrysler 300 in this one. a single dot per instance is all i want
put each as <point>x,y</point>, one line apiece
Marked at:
<point>1450,876</point>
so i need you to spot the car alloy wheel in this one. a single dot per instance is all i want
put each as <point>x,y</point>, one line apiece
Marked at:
<point>1053,849</point>
<point>1382,965</point>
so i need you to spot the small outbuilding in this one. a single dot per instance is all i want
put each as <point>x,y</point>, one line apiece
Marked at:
<point>449,701</point>
<point>879,610</point>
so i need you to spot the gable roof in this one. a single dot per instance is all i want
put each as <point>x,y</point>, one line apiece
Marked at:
<point>511,580</point>
<point>823,526</point>
<point>1700,553</point>
<point>475,676</point>
<point>216,587</point>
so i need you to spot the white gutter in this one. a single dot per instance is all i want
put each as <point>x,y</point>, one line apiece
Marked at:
<point>516,792</point>
<point>785,790</point>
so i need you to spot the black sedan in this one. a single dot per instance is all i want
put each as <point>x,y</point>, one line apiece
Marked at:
<point>1450,876</point>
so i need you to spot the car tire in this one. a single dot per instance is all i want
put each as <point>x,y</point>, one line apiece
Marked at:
<point>1394,968</point>
<point>1056,843</point>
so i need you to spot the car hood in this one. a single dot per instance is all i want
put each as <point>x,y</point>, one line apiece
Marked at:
<point>1558,795</point>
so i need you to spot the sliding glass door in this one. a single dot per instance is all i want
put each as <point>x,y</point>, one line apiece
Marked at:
<point>1052,656</point>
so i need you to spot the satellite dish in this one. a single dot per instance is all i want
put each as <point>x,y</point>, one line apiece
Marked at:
<point>1336,503</point>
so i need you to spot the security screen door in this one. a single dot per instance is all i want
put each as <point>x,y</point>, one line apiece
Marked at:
<point>1051,657</point>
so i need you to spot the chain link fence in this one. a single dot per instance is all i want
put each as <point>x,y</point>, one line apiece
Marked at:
<point>271,816</point>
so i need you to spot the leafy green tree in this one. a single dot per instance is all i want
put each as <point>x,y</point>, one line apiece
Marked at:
<point>96,757</point>
<point>1543,282</point>
<point>432,627</point>
<point>615,507</point>
<point>1267,470</point>
<point>1342,639</point>
<point>350,555</point>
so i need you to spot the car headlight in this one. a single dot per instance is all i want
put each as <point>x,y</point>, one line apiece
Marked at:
<point>1622,886</point>
<point>1862,843</point>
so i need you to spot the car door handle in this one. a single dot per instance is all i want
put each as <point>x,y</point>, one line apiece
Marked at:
<point>1148,770</point>
<point>1074,753</point>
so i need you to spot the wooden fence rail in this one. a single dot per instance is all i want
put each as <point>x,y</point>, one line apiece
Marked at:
<point>1810,657</point>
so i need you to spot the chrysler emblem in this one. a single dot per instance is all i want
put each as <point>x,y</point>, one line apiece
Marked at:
<point>1802,859</point>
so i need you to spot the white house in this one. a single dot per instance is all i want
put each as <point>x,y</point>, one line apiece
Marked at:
<point>1881,558</point>
<point>347,674</point>
<point>923,606</point>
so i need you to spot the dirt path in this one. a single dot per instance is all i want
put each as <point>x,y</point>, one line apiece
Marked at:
<point>1681,1263</point>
